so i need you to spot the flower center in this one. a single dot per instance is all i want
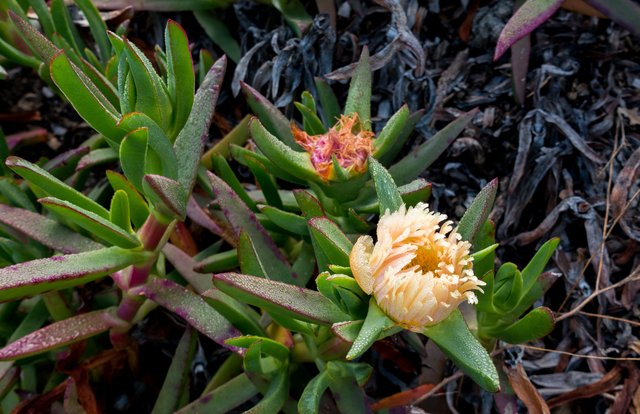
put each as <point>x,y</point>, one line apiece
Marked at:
<point>427,259</point>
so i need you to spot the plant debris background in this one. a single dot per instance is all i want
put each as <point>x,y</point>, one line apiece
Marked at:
<point>568,162</point>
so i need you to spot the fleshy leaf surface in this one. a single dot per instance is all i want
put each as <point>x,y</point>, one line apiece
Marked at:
<point>296,302</point>
<point>60,272</point>
<point>58,334</point>
<point>191,308</point>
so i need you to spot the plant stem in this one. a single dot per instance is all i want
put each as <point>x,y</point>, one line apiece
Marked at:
<point>152,237</point>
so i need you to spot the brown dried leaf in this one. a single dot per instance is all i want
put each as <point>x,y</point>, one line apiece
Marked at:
<point>526,391</point>
<point>607,382</point>
<point>626,178</point>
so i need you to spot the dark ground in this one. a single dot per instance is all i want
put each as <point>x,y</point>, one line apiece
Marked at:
<point>568,162</point>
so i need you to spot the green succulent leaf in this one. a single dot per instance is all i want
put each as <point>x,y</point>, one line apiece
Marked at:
<point>190,141</point>
<point>53,186</point>
<point>97,157</point>
<point>388,193</point>
<point>60,272</point>
<point>44,16</point>
<point>375,323</point>
<point>296,163</point>
<point>158,141</point>
<point>39,44</point>
<point>331,240</point>
<point>58,334</point>
<point>224,398</point>
<point>137,205</point>
<point>85,97</point>
<point>295,302</point>
<point>133,155</point>
<point>455,339</point>
<point>64,25</point>
<point>267,346</point>
<point>311,124</point>
<point>191,308</point>
<point>309,401</point>
<point>389,134</point>
<point>177,380</point>
<point>119,211</point>
<point>478,212</point>
<point>275,396</point>
<point>328,102</point>
<point>359,97</point>
<point>100,227</point>
<point>219,33</point>
<point>152,97</point>
<point>272,119</point>
<point>98,28</point>
<point>308,204</point>
<point>537,264</point>
<point>290,222</point>
<point>536,324</point>
<point>224,171</point>
<point>483,243</point>
<point>238,314</point>
<point>219,262</point>
<point>45,230</point>
<point>411,166</point>
<point>266,182</point>
<point>181,79</point>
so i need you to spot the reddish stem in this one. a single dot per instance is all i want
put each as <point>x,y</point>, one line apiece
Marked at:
<point>151,235</point>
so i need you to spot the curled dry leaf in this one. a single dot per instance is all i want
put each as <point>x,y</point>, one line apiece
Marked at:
<point>526,391</point>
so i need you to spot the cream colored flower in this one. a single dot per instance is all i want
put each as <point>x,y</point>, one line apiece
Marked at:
<point>419,270</point>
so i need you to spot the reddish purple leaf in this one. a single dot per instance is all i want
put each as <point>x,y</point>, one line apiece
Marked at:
<point>59,334</point>
<point>192,308</point>
<point>46,231</point>
<point>528,17</point>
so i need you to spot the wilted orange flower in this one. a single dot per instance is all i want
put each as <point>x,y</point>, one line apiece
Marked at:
<point>419,270</point>
<point>347,140</point>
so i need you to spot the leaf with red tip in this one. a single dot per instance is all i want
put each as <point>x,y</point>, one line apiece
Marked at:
<point>168,195</point>
<point>191,308</point>
<point>37,42</point>
<point>60,272</point>
<point>295,302</point>
<point>46,231</point>
<point>64,332</point>
<point>526,19</point>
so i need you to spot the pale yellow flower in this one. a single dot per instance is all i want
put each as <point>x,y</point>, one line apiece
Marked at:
<point>419,270</point>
